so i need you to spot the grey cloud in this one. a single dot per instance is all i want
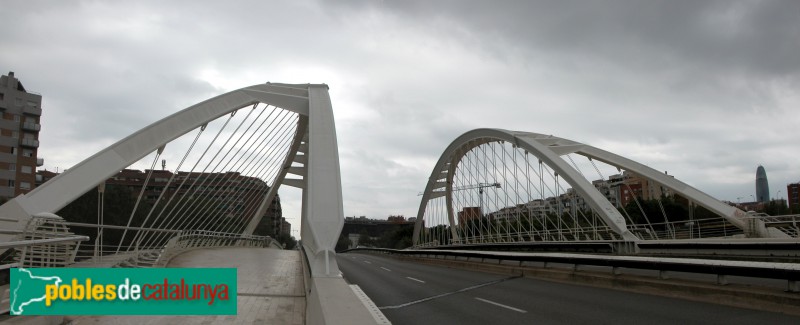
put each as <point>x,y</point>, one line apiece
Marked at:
<point>696,87</point>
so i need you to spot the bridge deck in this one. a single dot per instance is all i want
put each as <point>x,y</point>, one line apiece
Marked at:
<point>270,285</point>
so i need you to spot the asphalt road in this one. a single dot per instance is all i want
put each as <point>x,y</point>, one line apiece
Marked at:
<point>412,293</point>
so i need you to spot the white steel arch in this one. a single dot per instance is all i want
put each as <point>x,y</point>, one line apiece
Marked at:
<point>313,158</point>
<point>549,150</point>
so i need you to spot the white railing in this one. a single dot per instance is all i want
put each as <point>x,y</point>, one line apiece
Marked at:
<point>788,224</point>
<point>5,294</point>
<point>685,229</point>
<point>46,252</point>
<point>45,242</point>
<point>193,239</point>
<point>5,299</point>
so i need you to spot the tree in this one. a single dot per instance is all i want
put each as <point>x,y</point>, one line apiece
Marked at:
<point>397,238</point>
<point>119,203</point>
<point>776,208</point>
<point>343,243</point>
<point>364,239</point>
<point>289,242</point>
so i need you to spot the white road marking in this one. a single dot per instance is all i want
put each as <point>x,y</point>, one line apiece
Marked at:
<point>418,280</point>
<point>386,269</point>
<point>368,262</point>
<point>501,305</point>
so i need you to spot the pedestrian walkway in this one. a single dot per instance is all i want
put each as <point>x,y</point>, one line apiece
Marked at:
<point>270,288</point>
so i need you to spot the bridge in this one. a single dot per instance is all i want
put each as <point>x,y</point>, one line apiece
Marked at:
<point>491,191</point>
<point>500,186</point>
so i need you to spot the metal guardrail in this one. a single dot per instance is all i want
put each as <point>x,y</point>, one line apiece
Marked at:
<point>717,227</point>
<point>594,247</point>
<point>722,268</point>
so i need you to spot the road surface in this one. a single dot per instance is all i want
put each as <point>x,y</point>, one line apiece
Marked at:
<point>413,293</point>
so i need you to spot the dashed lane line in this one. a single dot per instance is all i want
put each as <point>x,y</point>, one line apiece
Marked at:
<point>450,293</point>
<point>418,280</point>
<point>501,305</point>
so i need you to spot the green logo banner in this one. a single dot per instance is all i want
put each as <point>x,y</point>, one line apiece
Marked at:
<point>123,291</point>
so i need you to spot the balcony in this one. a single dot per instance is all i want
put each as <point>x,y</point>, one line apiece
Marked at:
<point>28,126</point>
<point>39,162</point>
<point>33,143</point>
<point>32,110</point>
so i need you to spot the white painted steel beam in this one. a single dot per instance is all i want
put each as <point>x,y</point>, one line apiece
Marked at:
<point>315,141</point>
<point>323,214</point>
<point>548,149</point>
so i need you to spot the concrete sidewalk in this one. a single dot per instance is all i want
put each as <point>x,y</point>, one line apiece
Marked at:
<point>270,288</point>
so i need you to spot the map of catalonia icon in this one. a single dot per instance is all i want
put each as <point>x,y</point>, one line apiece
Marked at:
<point>28,289</point>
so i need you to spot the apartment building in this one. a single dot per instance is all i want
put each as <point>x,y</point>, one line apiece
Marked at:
<point>19,137</point>
<point>793,194</point>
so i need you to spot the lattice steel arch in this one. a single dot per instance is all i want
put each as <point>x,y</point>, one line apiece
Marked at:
<point>314,146</point>
<point>549,150</point>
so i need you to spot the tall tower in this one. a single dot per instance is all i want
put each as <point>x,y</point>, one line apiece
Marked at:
<point>762,186</point>
<point>19,137</point>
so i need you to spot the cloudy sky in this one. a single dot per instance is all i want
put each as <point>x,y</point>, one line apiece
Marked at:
<point>707,90</point>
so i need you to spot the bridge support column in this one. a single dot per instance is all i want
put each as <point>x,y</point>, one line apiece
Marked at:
<point>322,215</point>
<point>626,248</point>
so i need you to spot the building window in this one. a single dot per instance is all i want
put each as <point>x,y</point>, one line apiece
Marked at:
<point>12,166</point>
<point>16,118</point>
<point>24,185</point>
<point>27,153</point>
<point>2,95</point>
<point>18,102</point>
<point>15,134</point>
<point>10,183</point>
<point>31,104</point>
<point>27,170</point>
<point>14,151</point>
